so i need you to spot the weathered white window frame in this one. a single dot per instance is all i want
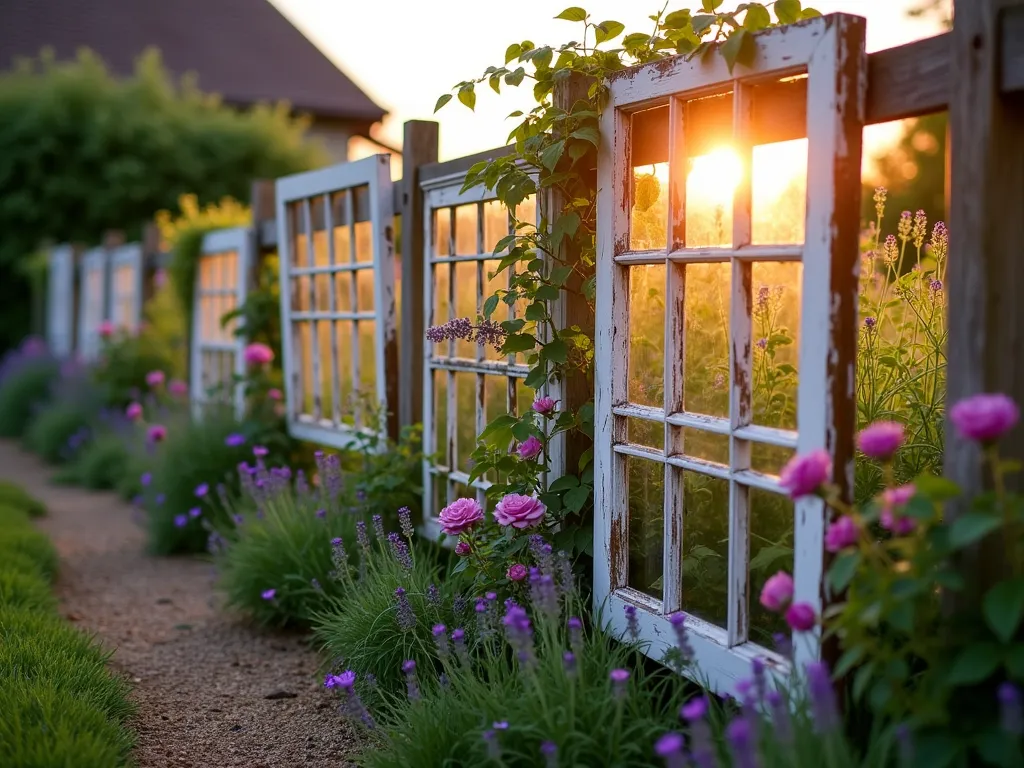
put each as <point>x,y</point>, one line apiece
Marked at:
<point>375,173</point>
<point>217,283</point>
<point>60,309</point>
<point>92,303</point>
<point>830,51</point>
<point>126,287</point>
<point>441,196</point>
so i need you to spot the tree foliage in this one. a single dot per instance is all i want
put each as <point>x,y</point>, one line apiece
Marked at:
<point>82,151</point>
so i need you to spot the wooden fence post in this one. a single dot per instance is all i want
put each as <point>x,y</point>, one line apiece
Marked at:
<point>419,147</point>
<point>985,278</point>
<point>264,207</point>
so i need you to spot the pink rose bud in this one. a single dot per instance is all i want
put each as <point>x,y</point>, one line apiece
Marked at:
<point>157,433</point>
<point>462,549</point>
<point>530,448</point>
<point>545,406</point>
<point>106,329</point>
<point>801,617</point>
<point>275,394</point>
<point>461,515</point>
<point>892,500</point>
<point>517,572</point>
<point>777,591</point>
<point>133,411</point>
<point>881,440</point>
<point>177,387</point>
<point>805,474</point>
<point>258,354</point>
<point>985,418</point>
<point>519,511</point>
<point>841,534</point>
<point>155,378</point>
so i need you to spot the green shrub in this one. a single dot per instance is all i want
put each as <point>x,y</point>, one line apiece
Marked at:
<point>22,586</point>
<point>43,726</point>
<point>121,372</point>
<point>58,430</point>
<point>100,465</point>
<point>13,495</point>
<point>24,540</point>
<point>22,391</point>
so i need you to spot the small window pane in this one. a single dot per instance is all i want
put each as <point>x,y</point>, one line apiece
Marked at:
<point>776,332</point>
<point>297,226</point>
<point>524,397</point>
<point>442,312</point>
<point>304,336</point>
<point>705,547</point>
<point>342,244</point>
<point>499,282</point>
<point>344,330</point>
<point>364,289</point>
<point>769,459</point>
<point>343,291</point>
<point>440,441</point>
<point>771,550</point>
<point>322,282</point>
<point>779,192</point>
<point>465,384</point>
<point>526,214</point>
<point>367,360</point>
<point>495,224</point>
<point>465,230</point>
<point>647,433</point>
<point>648,227</point>
<point>323,340</point>
<point>706,445</point>
<point>442,232</point>
<point>646,486</point>
<point>706,366</point>
<point>647,334</point>
<point>465,303</point>
<point>713,171</point>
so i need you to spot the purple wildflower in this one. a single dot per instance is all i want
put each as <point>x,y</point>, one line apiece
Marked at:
<point>400,550</point>
<point>490,737</point>
<point>519,632</point>
<point>234,440</point>
<point>434,596</point>
<point>413,690</point>
<point>268,594</point>
<point>406,617</point>
<point>541,550</point>
<point>619,678</point>
<point>259,451</point>
<point>783,644</point>
<point>378,527</point>
<point>160,499</point>
<point>339,557</point>
<point>441,640</point>
<point>550,752</point>
<point>202,489</point>
<point>569,663</point>
<point>490,332</point>
<point>405,522</point>
<point>822,696</point>
<point>905,745</point>
<point>564,566</point>
<point>678,622</point>
<point>742,743</point>
<point>760,677</point>
<point>146,479</point>
<point>782,725</point>
<point>543,595</point>
<point>315,583</point>
<point>670,749</point>
<point>575,633</point>
<point>195,512</point>
<point>321,514</point>
<point>870,323</point>
<point>632,624</point>
<point>238,519</point>
<point>180,521</point>
<point>459,641</point>
<point>362,537</point>
<point>695,709</point>
<point>459,604</point>
<point>1011,712</point>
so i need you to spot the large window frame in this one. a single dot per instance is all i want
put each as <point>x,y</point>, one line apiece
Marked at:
<point>126,287</point>
<point>92,304</point>
<point>60,309</point>
<point>831,52</point>
<point>441,197</point>
<point>300,194</point>
<point>221,286</point>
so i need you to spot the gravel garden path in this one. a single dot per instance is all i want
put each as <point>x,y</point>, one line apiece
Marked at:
<point>212,692</point>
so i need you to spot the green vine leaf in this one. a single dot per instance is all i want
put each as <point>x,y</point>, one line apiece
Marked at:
<point>608,30</point>
<point>757,17</point>
<point>467,95</point>
<point>677,19</point>
<point>515,77</point>
<point>970,528</point>
<point>519,342</point>
<point>513,52</point>
<point>1004,606</point>
<point>573,13</point>
<point>442,101</point>
<point>788,11</point>
<point>739,48</point>
<point>973,664</point>
<point>702,23</point>
<point>555,351</point>
<point>711,5</point>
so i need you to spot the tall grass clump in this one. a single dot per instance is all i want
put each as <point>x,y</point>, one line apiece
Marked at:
<point>13,495</point>
<point>101,463</point>
<point>25,377</point>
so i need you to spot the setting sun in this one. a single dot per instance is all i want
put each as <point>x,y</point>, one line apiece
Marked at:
<point>716,175</point>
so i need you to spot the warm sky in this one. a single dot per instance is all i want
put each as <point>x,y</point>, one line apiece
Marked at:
<point>406,53</point>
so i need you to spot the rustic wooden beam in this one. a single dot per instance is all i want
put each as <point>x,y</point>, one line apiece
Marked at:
<point>985,279</point>
<point>419,148</point>
<point>1011,70</point>
<point>460,164</point>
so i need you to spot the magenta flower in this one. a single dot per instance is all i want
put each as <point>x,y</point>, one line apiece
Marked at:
<point>275,394</point>
<point>805,474</point>
<point>106,329</point>
<point>257,354</point>
<point>841,534</point>
<point>892,499</point>
<point>517,572</point>
<point>202,489</point>
<point>460,516</point>
<point>881,440</point>
<point>545,406</point>
<point>777,591</point>
<point>268,594</point>
<point>157,433</point>
<point>234,440</point>
<point>462,549</point>
<point>670,748</point>
<point>519,511</point>
<point>133,411</point>
<point>985,418</point>
<point>259,451</point>
<point>155,378</point>
<point>695,709</point>
<point>530,448</point>
<point>177,387</point>
<point>801,617</point>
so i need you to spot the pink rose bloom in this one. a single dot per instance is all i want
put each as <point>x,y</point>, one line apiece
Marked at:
<point>530,448</point>
<point>519,511</point>
<point>985,418</point>
<point>545,406</point>
<point>258,354</point>
<point>777,591</point>
<point>275,394</point>
<point>461,515</point>
<point>155,378</point>
<point>880,440</point>
<point>177,387</point>
<point>133,411</point>
<point>801,617</point>
<point>462,549</point>
<point>805,474</point>
<point>517,572</point>
<point>106,329</point>
<point>157,433</point>
<point>892,500</point>
<point>841,534</point>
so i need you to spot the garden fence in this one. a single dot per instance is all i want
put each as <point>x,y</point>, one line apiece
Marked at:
<point>335,229</point>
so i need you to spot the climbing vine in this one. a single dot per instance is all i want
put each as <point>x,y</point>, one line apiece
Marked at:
<point>555,160</point>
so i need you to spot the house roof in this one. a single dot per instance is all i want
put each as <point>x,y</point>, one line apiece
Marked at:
<point>244,50</point>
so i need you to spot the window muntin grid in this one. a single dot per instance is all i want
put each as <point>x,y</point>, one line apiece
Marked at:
<point>337,299</point>
<point>466,386</point>
<point>126,287</point>
<point>60,320</point>
<point>92,305</point>
<point>221,285</point>
<point>650,434</point>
